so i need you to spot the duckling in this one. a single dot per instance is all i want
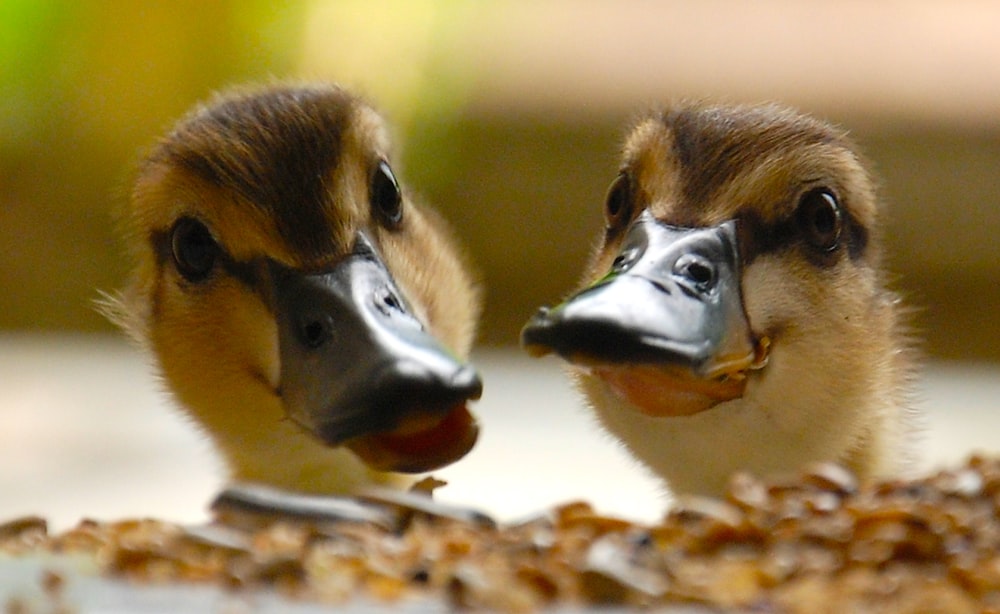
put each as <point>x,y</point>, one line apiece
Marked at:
<point>309,316</point>
<point>735,314</point>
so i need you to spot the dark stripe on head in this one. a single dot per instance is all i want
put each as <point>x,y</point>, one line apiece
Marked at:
<point>759,238</point>
<point>856,236</point>
<point>246,272</point>
<point>714,145</point>
<point>275,148</point>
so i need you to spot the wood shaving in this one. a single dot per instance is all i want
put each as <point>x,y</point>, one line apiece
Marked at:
<point>820,542</point>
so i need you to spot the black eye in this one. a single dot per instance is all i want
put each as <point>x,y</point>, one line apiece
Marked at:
<point>819,219</point>
<point>387,201</point>
<point>618,206</point>
<point>193,248</point>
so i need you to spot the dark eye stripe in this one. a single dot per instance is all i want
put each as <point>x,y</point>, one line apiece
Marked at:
<point>857,238</point>
<point>758,238</point>
<point>247,273</point>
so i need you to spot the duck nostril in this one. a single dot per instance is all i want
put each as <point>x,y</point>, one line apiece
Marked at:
<point>388,302</point>
<point>315,333</point>
<point>697,270</point>
<point>625,259</point>
<point>699,273</point>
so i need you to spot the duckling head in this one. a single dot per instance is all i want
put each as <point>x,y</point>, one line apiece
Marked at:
<point>307,314</point>
<point>734,314</point>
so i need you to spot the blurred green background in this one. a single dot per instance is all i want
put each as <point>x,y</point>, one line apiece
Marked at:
<point>509,116</point>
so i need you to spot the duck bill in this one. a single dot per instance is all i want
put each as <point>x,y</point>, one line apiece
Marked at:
<point>665,328</point>
<point>359,369</point>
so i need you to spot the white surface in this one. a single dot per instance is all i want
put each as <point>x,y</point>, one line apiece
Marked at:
<point>86,432</point>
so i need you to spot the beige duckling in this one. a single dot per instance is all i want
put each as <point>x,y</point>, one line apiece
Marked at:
<point>735,314</point>
<point>308,315</point>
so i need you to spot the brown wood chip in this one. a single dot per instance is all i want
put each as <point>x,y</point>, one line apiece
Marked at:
<point>816,542</point>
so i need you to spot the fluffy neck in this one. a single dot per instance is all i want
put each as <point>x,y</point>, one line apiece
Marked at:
<point>811,403</point>
<point>247,424</point>
<point>284,456</point>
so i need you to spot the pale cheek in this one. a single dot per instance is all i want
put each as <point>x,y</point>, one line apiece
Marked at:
<point>434,282</point>
<point>784,299</point>
<point>223,338</point>
<point>411,272</point>
<point>259,347</point>
<point>770,296</point>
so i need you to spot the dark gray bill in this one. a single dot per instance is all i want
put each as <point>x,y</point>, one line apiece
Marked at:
<point>672,297</point>
<point>355,361</point>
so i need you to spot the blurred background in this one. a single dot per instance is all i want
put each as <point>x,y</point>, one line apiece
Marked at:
<point>509,115</point>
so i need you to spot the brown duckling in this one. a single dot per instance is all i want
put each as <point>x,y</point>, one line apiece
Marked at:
<point>735,314</point>
<point>307,314</point>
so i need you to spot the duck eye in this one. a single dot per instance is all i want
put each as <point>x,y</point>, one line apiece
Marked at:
<point>387,201</point>
<point>193,248</point>
<point>618,206</point>
<point>819,219</point>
